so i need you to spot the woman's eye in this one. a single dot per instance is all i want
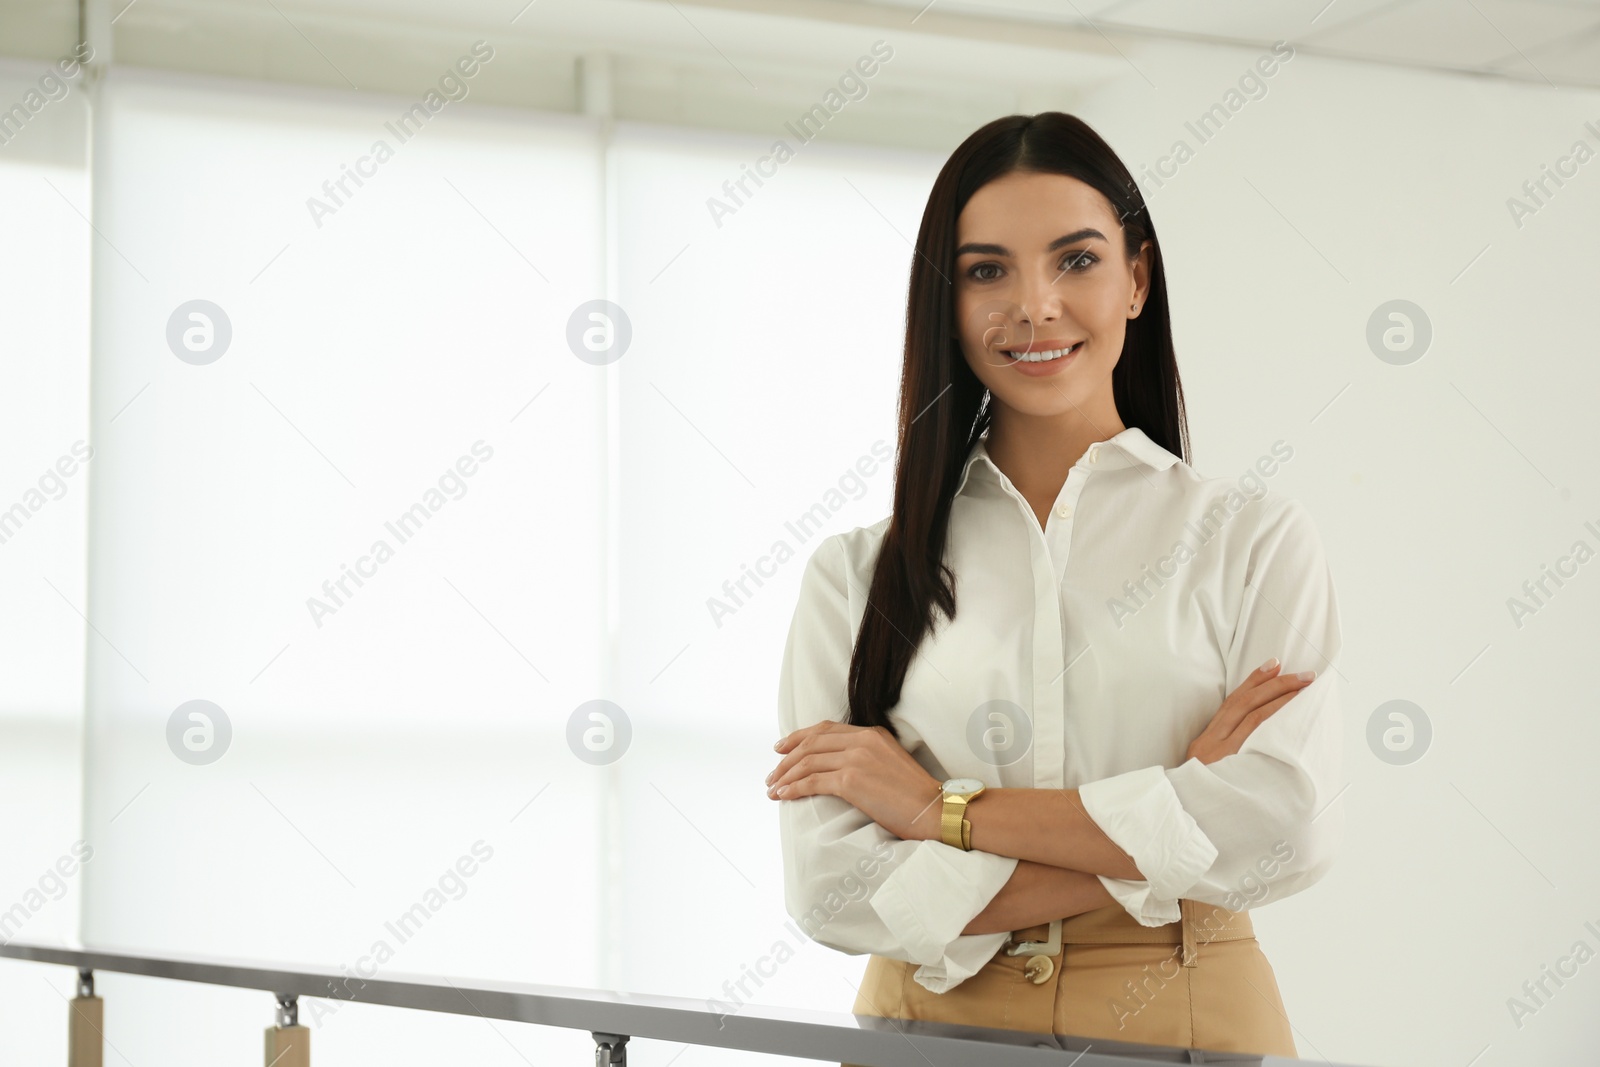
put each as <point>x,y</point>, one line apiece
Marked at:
<point>1075,262</point>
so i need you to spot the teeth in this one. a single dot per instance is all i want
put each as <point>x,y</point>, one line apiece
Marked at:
<point>1040,357</point>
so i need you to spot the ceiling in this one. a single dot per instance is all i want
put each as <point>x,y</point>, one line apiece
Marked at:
<point>751,65</point>
<point>1552,42</point>
<point>1555,42</point>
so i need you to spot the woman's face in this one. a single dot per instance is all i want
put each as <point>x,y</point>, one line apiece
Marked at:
<point>1039,267</point>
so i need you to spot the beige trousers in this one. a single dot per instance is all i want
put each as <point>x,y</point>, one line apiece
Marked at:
<point>1201,982</point>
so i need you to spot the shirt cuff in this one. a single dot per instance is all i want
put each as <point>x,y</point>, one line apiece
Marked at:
<point>928,900</point>
<point>1140,812</point>
<point>1136,898</point>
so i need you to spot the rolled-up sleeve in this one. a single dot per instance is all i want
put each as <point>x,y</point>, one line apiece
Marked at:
<point>1256,825</point>
<point>849,883</point>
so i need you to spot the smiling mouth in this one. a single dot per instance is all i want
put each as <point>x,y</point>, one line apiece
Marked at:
<point>1041,356</point>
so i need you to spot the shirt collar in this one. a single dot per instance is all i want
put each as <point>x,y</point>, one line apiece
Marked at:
<point>1125,449</point>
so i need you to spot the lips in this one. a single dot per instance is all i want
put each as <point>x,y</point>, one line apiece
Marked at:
<point>1031,353</point>
<point>1040,346</point>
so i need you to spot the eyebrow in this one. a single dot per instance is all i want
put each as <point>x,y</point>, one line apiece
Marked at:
<point>1002,250</point>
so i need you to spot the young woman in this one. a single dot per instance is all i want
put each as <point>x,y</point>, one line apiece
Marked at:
<point>1052,809</point>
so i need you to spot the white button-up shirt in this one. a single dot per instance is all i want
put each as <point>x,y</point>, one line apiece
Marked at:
<point>1085,654</point>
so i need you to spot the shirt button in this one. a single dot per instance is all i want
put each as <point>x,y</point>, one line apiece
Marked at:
<point>1064,511</point>
<point>1094,453</point>
<point>1038,969</point>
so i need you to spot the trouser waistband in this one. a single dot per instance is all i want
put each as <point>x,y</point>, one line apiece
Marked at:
<point>1110,925</point>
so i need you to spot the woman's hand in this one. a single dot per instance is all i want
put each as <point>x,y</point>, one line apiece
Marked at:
<point>1247,707</point>
<point>864,766</point>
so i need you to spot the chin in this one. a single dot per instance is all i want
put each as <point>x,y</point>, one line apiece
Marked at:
<point>1043,402</point>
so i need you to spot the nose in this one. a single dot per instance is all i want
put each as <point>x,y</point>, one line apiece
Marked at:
<point>1039,299</point>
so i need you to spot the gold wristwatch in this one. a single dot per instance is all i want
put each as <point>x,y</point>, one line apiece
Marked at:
<point>954,828</point>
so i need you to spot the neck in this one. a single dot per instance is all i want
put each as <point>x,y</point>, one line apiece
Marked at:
<point>1037,453</point>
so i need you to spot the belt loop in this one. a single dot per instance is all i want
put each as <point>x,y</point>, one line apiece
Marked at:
<point>1186,919</point>
<point>1049,947</point>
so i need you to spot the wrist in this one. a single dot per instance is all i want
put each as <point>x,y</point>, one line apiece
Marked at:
<point>972,821</point>
<point>926,825</point>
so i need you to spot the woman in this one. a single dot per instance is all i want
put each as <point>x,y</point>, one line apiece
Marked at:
<point>1052,810</point>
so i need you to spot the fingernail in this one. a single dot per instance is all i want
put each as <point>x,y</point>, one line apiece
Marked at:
<point>782,789</point>
<point>778,744</point>
<point>1267,666</point>
<point>1306,676</point>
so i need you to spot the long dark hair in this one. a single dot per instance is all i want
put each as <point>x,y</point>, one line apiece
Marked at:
<point>944,407</point>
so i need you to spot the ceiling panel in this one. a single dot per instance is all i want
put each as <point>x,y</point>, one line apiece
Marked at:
<point>1454,33</point>
<point>1573,60</point>
<point>1244,20</point>
<point>1501,37</point>
<point>1553,41</point>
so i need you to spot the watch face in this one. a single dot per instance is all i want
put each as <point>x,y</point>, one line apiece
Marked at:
<point>962,785</point>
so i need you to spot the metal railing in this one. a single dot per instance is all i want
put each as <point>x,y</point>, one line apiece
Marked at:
<point>610,1017</point>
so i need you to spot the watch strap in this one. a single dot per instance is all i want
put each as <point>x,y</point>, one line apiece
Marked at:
<point>954,828</point>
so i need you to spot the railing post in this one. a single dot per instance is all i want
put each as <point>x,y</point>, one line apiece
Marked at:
<point>85,1020</point>
<point>288,1043</point>
<point>610,1050</point>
